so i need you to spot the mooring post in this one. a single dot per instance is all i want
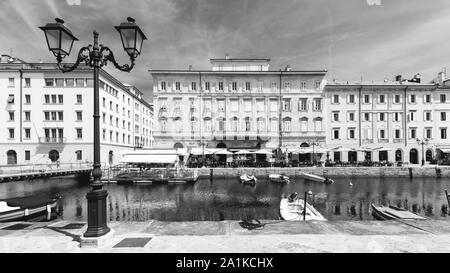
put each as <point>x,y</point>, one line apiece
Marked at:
<point>304,207</point>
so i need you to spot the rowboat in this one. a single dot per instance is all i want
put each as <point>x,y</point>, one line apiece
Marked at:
<point>249,179</point>
<point>279,178</point>
<point>27,208</point>
<point>393,213</point>
<point>316,178</point>
<point>292,210</point>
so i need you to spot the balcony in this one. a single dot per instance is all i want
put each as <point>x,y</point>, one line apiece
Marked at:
<point>303,133</point>
<point>383,140</point>
<point>367,141</point>
<point>52,140</point>
<point>398,140</point>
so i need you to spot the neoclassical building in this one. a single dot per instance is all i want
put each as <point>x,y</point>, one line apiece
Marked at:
<point>47,114</point>
<point>390,118</point>
<point>239,104</point>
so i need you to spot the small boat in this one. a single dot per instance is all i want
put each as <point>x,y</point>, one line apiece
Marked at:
<point>27,208</point>
<point>292,210</point>
<point>393,213</point>
<point>279,178</point>
<point>317,178</point>
<point>248,179</point>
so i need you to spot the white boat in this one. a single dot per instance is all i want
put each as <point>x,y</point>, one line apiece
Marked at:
<point>292,210</point>
<point>279,178</point>
<point>316,178</point>
<point>245,178</point>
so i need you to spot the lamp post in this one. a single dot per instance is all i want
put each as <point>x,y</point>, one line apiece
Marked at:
<point>422,142</point>
<point>313,143</point>
<point>60,40</point>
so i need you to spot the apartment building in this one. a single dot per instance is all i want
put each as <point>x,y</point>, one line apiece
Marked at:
<point>48,114</point>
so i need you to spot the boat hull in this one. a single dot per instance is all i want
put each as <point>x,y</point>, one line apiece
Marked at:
<point>29,214</point>
<point>278,178</point>
<point>293,211</point>
<point>316,178</point>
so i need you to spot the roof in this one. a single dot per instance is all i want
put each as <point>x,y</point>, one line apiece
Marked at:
<point>270,72</point>
<point>240,60</point>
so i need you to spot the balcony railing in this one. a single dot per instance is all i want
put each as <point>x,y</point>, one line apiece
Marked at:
<point>52,140</point>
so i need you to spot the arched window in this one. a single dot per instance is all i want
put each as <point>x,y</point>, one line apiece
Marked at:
<point>11,156</point>
<point>398,156</point>
<point>413,158</point>
<point>304,124</point>
<point>247,124</point>
<point>429,155</point>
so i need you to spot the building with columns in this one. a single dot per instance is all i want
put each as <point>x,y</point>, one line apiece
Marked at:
<point>239,104</point>
<point>47,114</point>
<point>391,118</point>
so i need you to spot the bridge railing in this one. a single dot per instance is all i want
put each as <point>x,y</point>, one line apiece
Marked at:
<point>48,167</point>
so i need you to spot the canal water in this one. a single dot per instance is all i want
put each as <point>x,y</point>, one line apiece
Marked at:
<point>228,199</point>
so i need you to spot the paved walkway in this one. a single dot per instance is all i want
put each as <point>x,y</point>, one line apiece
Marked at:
<point>230,237</point>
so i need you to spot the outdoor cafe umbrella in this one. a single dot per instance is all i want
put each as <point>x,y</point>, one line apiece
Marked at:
<point>303,150</point>
<point>243,152</point>
<point>262,151</point>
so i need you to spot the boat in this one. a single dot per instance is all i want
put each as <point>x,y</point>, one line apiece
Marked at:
<point>279,178</point>
<point>248,179</point>
<point>158,176</point>
<point>316,178</point>
<point>393,213</point>
<point>292,210</point>
<point>27,208</point>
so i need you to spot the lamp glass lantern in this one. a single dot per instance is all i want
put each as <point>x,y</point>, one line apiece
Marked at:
<point>132,37</point>
<point>59,38</point>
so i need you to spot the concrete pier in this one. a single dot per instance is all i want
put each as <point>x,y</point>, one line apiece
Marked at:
<point>230,237</point>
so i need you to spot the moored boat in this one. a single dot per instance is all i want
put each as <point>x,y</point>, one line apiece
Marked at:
<point>292,210</point>
<point>393,213</point>
<point>316,178</point>
<point>26,208</point>
<point>248,179</point>
<point>279,178</point>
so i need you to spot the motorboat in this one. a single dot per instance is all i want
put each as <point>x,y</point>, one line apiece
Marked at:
<point>248,179</point>
<point>291,209</point>
<point>393,213</point>
<point>317,178</point>
<point>279,178</point>
<point>27,208</point>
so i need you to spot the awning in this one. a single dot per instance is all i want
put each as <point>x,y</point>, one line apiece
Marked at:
<point>148,158</point>
<point>223,152</point>
<point>444,150</point>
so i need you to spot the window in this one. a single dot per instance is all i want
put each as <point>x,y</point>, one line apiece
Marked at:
<point>79,82</point>
<point>351,99</point>
<point>27,133</point>
<point>412,115</point>
<point>381,99</point>
<point>428,133</point>
<point>351,133</point>
<point>366,116</point>
<point>11,133</point>
<point>11,82</point>
<point>303,85</point>
<point>60,116</point>
<point>412,98</point>
<point>27,155</point>
<point>317,84</point>
<point>27,99</point>
<point>351,116</point>
<point>110,136</point>
<point>317,104</point>
<point>177,87</point>
<point>234,86</point>
<point>207,86</point>
<point>427,115</point>
<point>396,98</point>
<point>335,98</point>
<point>27,115</point>
<point>193,86</point>
<point>412,133</point>
<point>79,154</point>
<point>220,86</point>
<point>286,105</point>
<point>335,133</point>
<point>27,82</point>
<point>427,98</point>
<point>382,134</point>
<point>366,98</point>
<point>397,133</point>
<point>59,82</point>
<point>70,83</point>
<point>397,116</point>
<point>287,125</point>
<point>79,99</point>
<point>79,115</point>
<point>48,82</point>
<point>117,108</point>
<point>443,116</point>
<point>443,99</point>
<point>247,86</point>
<point>11,115</point>
<point>302,104</point>
<point>274,85</point>
<point>89,82</point>
<point>335,116</point>
<point>10,98</point>
<point>110,105</point>
<point>163,86</point>
<point>104,134</point>
<point>443,133</point>
<point>381,116</point>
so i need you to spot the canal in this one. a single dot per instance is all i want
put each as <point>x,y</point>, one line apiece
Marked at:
<point>228,199</point>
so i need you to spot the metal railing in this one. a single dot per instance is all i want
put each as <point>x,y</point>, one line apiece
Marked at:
<point>52,139</point>
<point>49,167</point>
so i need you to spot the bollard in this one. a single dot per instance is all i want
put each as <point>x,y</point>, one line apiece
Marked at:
<point>410,173</point>
<point>211,174</point>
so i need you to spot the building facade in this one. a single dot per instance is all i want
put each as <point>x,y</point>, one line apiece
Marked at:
<point>47,114</point>
<point>401,121</point>
<point>238,104</point>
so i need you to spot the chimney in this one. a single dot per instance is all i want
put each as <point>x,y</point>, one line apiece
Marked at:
<point>190,67</point>
<point>398,78</point>
<point>287,68</point>
<point>417,78</point>
<point>227,57</point>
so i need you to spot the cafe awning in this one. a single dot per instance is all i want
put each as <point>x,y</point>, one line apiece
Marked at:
<point>149,158</point>
<point>444,150</point>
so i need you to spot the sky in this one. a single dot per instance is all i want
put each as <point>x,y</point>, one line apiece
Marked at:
<point>352,39</point>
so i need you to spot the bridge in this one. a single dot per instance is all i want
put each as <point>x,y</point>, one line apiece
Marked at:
<point>33,171</point>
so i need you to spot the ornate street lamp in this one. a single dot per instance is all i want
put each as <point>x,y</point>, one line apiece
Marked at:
<point>422,142</point>
<point>60,40</point>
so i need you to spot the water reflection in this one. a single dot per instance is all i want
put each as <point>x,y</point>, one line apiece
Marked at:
<point>227,199</point>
